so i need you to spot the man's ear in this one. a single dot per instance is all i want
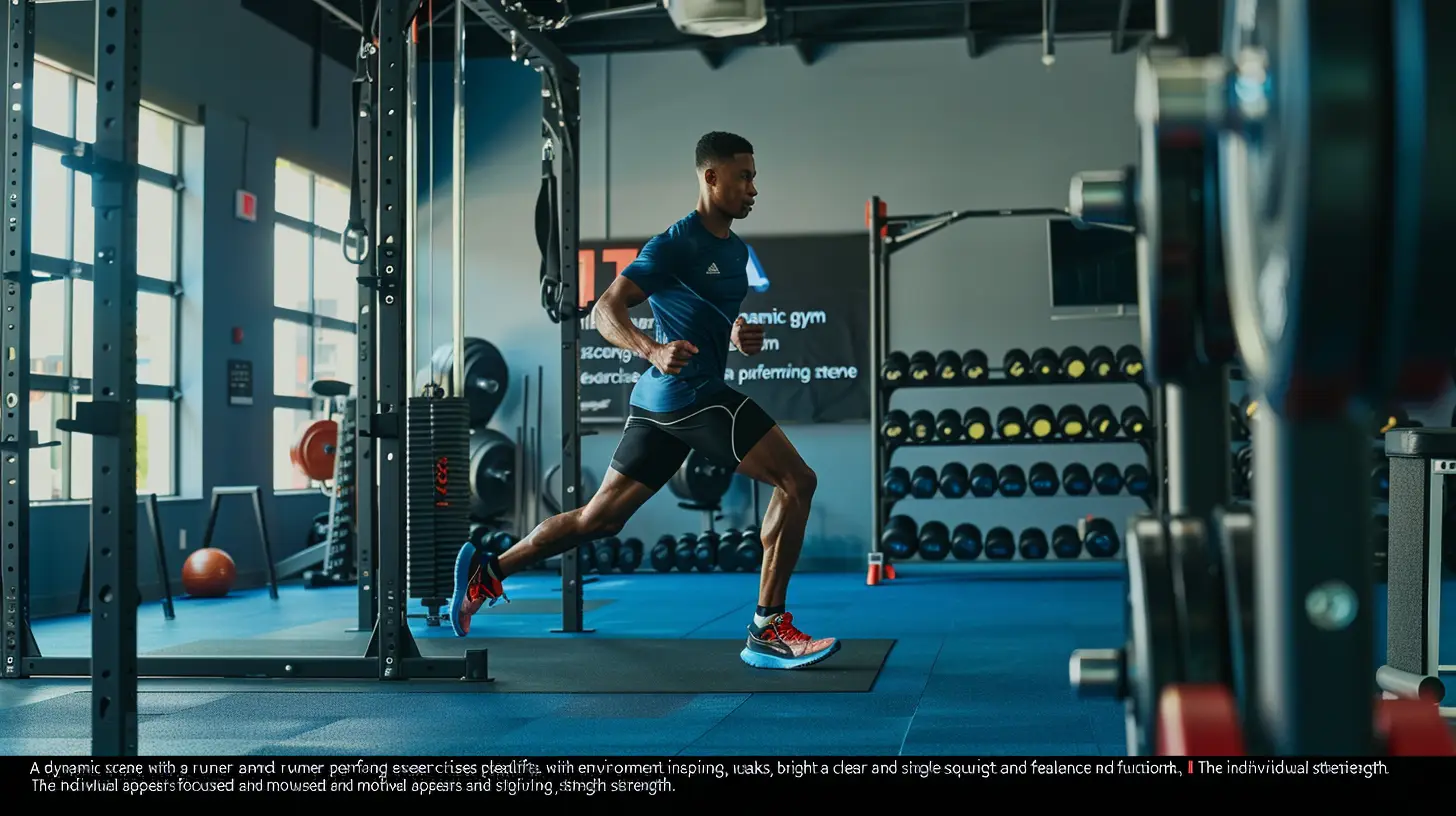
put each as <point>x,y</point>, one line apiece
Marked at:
<point>711,176</point>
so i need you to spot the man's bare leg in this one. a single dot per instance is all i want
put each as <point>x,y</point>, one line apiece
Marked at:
<point>774,642</point>
<point>479,578</point>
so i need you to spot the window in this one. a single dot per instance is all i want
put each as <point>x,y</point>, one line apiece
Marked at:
<point>316,303</point>
<point>62,243</point>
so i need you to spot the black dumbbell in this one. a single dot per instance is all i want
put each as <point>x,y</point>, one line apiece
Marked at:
<point>664,553</point>
<point>947,367</point>
<point>1011,423</point>
<point>1032,544</point>
<point>934,541</point>
<point>1073,363</point>
<point>895,427</point>
<point>1102,423</point>
<point>1237,483</point>
<point>975,366</point>
<point>586,557</point>
<point>1042,479</point>
<point>1000,544</point>
<point>1136,480</point>
<point>1016,364</point>
<point>922,367</point>
<point>965,542</point>
<point>705,554</point>
<point>955,480</point>
<point>629,555</point>
<point>605,551</point>
<point>1101,363</point>
<point>896,482</point>
<point>1071,422</point>
<point>976,424</point>
<point>983,481</point>
<point>1101,538</point>
<point>924,482</point>
<point>728,549</point>
<point>900,537</point>
<point>1130,362</point>
<point>895,368</point>
<point>750,550</point>
<point>1135,421</point>
<point>1076,481</point>
<point>1011,481</point>
<point>685,554</point>
<point>948,427</point>
<point>1065,542</point>
<point>1107,478</point>
<point>1045,364</point>
<point>1244,466</point>
<point>1380,548</point>
<point>922,427</point>
<point>1380,480</point>
<point>1041,423</point>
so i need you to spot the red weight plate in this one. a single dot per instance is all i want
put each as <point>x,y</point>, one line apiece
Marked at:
<point>314,453</point>
<point>1199,720</point>
<point>1413,728</point>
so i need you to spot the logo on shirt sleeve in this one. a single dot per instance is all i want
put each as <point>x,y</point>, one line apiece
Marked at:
<point>712,269</point>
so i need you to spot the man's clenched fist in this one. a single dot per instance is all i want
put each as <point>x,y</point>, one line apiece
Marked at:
<point>670,358</point>
<point>747,337</point>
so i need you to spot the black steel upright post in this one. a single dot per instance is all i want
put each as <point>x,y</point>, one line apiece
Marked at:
<point>391,252</point>
<point>561,118</point>
<point>366,467</point>
<point>15,640</point>
<point>875,222</point>
<point>110,418</point>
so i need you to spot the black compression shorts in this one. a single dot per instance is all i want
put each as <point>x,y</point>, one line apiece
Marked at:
<point>723,427</point>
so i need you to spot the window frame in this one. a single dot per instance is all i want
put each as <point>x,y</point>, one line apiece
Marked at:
<point>49,270</point>
<point>316,407</point>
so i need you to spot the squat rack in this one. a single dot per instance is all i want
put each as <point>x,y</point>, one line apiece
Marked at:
<point>114,666</point>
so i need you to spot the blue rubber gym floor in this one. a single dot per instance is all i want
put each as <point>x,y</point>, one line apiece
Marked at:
<point>978,667</point>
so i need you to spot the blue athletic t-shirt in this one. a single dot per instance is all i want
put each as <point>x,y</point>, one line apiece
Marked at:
<point>695,283</point>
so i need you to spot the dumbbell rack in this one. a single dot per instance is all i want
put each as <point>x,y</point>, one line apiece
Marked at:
<point>888,233</point>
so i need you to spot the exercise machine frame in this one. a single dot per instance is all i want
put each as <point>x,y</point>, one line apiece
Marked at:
<point>561,128</point>
<point>889,233</point>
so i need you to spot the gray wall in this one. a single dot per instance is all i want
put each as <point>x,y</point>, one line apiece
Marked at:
<point>918,123</point>
<point>211,61</point>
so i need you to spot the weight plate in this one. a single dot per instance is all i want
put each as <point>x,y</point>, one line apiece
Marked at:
<point>314,453</point>
<point>1180,278</point>
<point>1153,659</point>
<point>1202,617</point>
<point>1233,533</point>
<point>1199,720</point>
<point>1421,287</point>
<point>1306,196</point>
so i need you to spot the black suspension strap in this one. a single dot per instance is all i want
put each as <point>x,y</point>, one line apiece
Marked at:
<point>548,237</point>
<point>355,240</point>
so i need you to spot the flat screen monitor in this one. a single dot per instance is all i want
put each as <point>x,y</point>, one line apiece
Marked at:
<point>1091,267</point>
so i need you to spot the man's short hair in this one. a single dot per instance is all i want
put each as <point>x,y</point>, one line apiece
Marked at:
<point>719,146</point>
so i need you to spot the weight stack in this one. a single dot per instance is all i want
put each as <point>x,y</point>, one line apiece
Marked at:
<point>437,500</point>
<point>339,561</point>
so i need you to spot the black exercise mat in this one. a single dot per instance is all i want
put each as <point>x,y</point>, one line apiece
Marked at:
<point>564,665</point>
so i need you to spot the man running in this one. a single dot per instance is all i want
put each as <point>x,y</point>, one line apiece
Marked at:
<point>694,276</point>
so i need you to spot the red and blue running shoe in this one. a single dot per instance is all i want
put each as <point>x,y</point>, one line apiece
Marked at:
<point>476,585</point>
<point>780,645</point>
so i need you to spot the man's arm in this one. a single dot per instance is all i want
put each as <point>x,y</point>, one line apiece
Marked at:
<point>614,321</point>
